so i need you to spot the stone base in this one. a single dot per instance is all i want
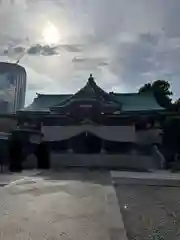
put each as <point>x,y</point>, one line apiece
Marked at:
<point>102,161</point>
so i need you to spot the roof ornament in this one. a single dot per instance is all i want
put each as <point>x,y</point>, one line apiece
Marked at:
<point>91,79</point>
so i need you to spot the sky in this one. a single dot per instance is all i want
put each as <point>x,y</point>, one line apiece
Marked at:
<point>123,43</point>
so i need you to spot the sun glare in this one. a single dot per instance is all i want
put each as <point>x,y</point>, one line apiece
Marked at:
<point>51,34</point>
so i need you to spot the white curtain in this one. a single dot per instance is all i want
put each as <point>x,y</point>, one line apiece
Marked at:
<point>111,133</point>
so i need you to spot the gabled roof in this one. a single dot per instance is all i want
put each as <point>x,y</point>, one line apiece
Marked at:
<point>45,101</point>
<point>138,102</point>
<point>127,102</point>
<point>91,91</point>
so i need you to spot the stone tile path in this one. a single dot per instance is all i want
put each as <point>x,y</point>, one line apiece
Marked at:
<point>158,175</point>
<point>64,205</point>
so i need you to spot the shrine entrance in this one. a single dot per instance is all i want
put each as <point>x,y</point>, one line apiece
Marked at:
<point>86,142</point>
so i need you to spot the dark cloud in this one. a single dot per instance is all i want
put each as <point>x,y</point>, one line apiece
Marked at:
<point>45,50</point>
<point>34,50</point>
<point>42,50</point>
<point>5,52</point>
<point>37,50</point>
<point>19,49</point>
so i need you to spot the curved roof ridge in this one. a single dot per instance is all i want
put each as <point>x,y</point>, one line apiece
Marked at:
<point>93,89</point>
<point>125,101</point>
<point>52,94</point>
<point>125,93</point>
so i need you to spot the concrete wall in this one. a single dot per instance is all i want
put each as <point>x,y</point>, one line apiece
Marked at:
<point>102,160</point>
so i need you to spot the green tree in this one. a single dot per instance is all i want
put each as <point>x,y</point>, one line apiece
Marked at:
<point>176,105</point>
<point>161,91</point>
<point>171,137</point>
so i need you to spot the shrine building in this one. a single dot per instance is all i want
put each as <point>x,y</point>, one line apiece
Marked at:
<point>93,121</point>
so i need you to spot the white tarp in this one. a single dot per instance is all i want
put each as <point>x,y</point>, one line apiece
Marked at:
<point>111,133</point>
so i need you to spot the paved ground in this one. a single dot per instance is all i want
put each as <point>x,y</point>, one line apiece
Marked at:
<point>160,178</point>
<point>156,175</point>
<point>64,205</point>
<point>150,212</point>
<point>7,177</point>
<point>82,204</point>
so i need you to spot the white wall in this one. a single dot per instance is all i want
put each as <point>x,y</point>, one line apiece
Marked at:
<point>112,133</point>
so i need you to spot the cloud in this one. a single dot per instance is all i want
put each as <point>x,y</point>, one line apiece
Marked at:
<point>71,47</point>
<point>150,57</point>
<point>42,50</point>
<point>125,43</point>
<point>101,62</point>
<point>38,49</point>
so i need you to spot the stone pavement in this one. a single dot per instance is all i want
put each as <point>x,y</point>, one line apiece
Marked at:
<point>159,174</point>
<point>159,177</point>
<point>61,205</point>
<point>6,177</point>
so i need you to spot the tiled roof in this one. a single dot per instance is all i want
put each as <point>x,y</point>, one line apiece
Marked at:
<point>91,91</point>
<point>126,101</point>
<point>11,67</point>
<point>45,101</point>
<point>137,102</point>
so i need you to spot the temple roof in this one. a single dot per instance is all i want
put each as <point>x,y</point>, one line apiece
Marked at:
<point>91,91</point>
<point>45,101</point>
<point>137,102</point>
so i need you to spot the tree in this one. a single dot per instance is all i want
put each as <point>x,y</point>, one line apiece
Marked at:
<point>161,90</point>
<point>176,105</point>
<point>171,137</point>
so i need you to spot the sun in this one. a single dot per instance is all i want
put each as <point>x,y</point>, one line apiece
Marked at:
<point>51,34</point>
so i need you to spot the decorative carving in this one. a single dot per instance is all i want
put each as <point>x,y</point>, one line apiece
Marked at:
<point>91,79</point>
